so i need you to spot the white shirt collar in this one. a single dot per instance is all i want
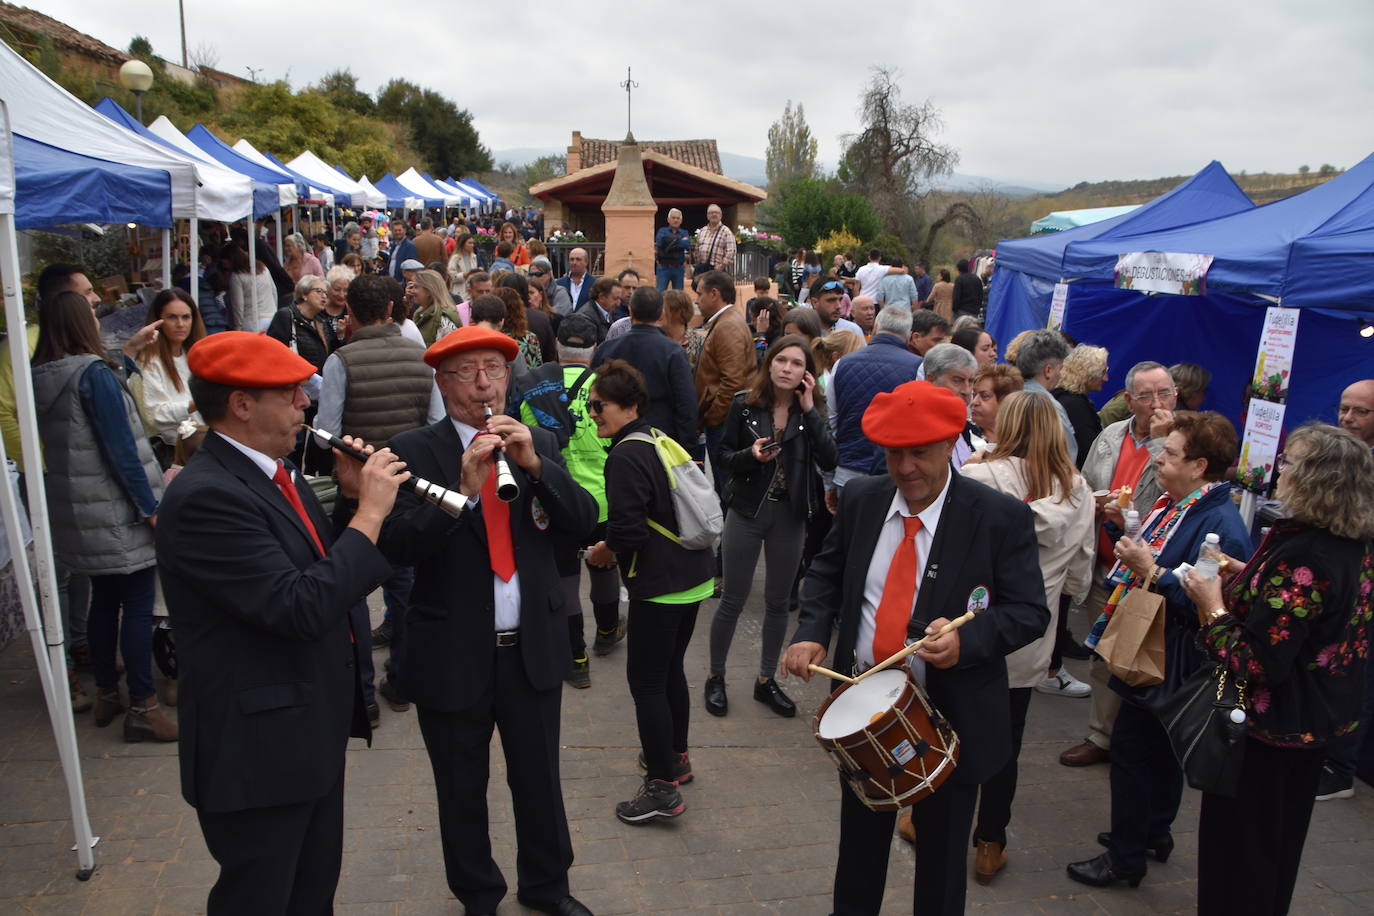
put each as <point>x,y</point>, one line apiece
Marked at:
<point>465,433</point>
<point>265,464</point>
<point>930,515</point>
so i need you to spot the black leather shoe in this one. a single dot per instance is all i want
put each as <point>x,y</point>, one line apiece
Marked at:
<point>769,693</point>
<point>1074,649</point>
<point>1158,849</point>
<point>568,906</point>
<point>393,696</point>
<point>716,703</point>
<point>1100,872</point>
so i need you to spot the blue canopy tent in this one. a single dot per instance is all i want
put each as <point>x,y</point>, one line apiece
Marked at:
<point>226,155</point>
<point>56,186</point>
<point>478,186</point>
<point>398,195</point>
<point>343,198</point>
<point>1028,268</point>
<point>1260,256</point>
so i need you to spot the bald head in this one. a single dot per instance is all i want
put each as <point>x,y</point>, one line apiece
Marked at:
<point>1356,413</point>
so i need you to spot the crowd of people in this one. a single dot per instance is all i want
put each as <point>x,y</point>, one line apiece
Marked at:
<point>864,434</point>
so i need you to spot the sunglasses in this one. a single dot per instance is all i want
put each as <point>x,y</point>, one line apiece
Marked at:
<point>538,273</point>
<point>831,284</point>
<point>596,406</point>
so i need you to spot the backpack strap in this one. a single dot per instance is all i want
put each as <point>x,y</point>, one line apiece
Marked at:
<point>652,440</point>
<point>577,385</point>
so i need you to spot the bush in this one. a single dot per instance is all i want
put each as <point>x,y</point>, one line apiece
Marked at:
<point>812,208</point>
<point>839,242</point>
<point>890,246</point>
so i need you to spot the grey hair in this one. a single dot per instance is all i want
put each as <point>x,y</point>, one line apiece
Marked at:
<point>567,354</point>
<point>1144,366</point>
<point>304,284</point>
<point>944,357</point>
<point>894,319</point>
<point>1039,349</point>
<point>295,238</point>
<point>351,227</point>
<point>339,272</point>
<point>1329,480</point>
<point>675,212</point>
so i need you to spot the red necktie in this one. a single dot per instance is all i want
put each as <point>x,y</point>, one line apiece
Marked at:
<point>899,595</point>
<point>496,518</point>
<point>288,489</point>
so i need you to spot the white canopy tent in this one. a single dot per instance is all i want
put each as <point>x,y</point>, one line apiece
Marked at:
<point>316,169</point>
<point>286,191</point>
<point>248,151</point>
<point>412,180</point>
<point>409,203</point>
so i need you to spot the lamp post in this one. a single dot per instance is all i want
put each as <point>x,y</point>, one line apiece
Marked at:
<point>137,77</point>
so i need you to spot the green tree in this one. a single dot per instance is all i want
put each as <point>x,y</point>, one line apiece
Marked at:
<point>544,168</point>
<point>341,88</point>
<point>441,133</point>
<point>814,208</point>
<point>791,148</point>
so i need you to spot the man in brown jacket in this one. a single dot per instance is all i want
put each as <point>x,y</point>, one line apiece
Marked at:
<point>727,359</point>
<point>429,245</point>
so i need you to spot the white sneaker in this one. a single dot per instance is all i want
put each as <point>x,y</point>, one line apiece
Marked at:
<point>1064,684</point>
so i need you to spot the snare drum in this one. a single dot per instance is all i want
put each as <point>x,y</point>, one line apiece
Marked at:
<point>889,743</point>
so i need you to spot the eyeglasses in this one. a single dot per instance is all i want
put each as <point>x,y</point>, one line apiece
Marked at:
<point>493,371</point>
<point>1360,412</point>
<point>319,289</point>
<point>1162,395</point>
<point>1281,461</point>
<point>595,405</point>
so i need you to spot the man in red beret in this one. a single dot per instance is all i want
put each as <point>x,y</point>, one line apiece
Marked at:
<point>908,552</point>
<point>486,642</point>
<point>259,589</point>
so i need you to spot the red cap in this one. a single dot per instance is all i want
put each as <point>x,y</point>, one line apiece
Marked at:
<point>470,338</point>
<point>246,360</point>
<point>914,413</point>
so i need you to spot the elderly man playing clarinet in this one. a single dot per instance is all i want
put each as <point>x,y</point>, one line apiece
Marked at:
<point>908,552</point>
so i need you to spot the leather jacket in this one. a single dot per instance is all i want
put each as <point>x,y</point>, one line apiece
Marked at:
<point>807,446</point>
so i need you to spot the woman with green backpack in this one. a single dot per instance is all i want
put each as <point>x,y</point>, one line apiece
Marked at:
<point>647,535</point>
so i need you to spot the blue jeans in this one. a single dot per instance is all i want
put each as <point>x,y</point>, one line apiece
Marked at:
<point>122,612</point>
<point>666,277</point>
<point>714,435</point>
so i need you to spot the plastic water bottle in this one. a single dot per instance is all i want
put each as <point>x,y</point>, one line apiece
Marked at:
<point>1132,525</point>
<point>1207,565</point>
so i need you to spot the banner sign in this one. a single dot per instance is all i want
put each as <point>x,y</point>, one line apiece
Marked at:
<point>1163,272</point>
<point>1275,358</point>
<point>1259,453</point>
<point>1057,306</point>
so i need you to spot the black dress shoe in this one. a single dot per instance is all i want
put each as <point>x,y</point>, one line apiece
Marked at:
<point>1074,649</point>
<point>1158,849</point>
<point>769,693</point>
<point>716,703</point>
<point>568,906</point>
<point>1100,872</point>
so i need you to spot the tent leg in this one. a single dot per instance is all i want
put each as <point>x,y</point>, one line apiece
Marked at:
<point>253,270</point>
<point>166,259</point>
<point>54,660</point>
<point>194,259</point>
<point>277,217</point>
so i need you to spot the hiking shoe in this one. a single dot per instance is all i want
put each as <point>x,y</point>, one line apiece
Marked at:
<point>606,640</point>
<point>393,696</point>
<point>580,675</point>
<point>1332,785</point>
<point>381,637</point>
<point>682,770</point>
<point>81,700</point>
<point>1064,684</point>
<point>655,798</point>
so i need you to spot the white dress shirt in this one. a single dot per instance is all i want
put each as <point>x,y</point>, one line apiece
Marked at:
<point>507,594</point>
<point>883,552</point>
<point>265,464</point>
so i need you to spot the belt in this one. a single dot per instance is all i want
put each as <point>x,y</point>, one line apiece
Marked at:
<point>507,638</point>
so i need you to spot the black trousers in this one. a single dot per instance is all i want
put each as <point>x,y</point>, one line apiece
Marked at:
<point>1249,847</point>
<point>277,861</point>
<point>942,821</point>
<point>1147,785</point>
<point>994,807</point>
<point>658,635</point>
<point>459,751</point>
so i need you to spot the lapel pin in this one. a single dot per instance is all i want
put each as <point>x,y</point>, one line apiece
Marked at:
<point>978,600</point>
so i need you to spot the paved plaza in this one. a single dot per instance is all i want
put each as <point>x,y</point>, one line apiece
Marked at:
<point>758,836</point>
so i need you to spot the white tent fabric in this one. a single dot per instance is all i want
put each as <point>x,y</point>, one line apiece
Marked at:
<point>44,111</point>
<point>316,169</point>
<point>412,180</point>
<point>286,193</point>
<point>248,151</point>
<point>409,203</point>
<point>475,198</point>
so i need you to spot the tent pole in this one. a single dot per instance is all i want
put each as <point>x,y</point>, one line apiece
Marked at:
<point>194,259</point>
<point>166,259</point>
<point>55,659</point>
<point>277,216</point>
<point>252,271</point>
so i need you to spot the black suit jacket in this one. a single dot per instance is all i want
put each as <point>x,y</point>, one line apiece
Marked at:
<point>984,538</point>
<point>667,376</point>
<point>269,678</point>
<point>450,632</point>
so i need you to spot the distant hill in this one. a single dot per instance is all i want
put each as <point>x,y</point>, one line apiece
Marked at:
<point>1262,187</point>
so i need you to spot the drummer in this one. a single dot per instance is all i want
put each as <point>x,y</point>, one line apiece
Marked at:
<point>968,547</point>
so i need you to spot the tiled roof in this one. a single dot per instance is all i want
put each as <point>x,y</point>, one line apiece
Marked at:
<point>702,154</point>
<point>23,19</point>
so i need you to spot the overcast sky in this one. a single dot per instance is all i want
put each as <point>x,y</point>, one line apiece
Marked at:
<point>1052,92</point>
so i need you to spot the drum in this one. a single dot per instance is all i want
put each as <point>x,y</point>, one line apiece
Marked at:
<point>890,744</point>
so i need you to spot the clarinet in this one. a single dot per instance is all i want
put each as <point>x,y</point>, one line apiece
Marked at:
<point>507,490</point>
<point>451,501</point>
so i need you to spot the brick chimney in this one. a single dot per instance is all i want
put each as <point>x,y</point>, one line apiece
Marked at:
<point>575,153</point>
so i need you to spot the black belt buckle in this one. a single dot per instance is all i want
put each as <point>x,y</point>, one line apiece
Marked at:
<point>507,638</point>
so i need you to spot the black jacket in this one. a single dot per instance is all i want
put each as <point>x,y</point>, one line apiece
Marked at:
<point>806,439</point>
<point>636,490</point>
<point>968,295</point>
<point>1087,425</point>
<point>667,377</point>
<point>289,324</point>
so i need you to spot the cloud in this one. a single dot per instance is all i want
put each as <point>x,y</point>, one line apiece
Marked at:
<point>1058,91</point>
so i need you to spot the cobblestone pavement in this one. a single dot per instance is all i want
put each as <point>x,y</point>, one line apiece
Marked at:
<point>758,836</point>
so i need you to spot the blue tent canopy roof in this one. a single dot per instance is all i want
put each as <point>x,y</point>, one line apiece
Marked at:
<point>344,198</point>
<point>56,186</point>
<point>228,156</point>
<point>397,193</point>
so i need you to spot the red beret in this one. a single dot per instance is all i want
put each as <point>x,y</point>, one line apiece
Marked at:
<point>470,338</point>
<point>915,413</point>
<point>246,360</point>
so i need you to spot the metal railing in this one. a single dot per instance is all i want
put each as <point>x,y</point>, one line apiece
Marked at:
<point>558,256</point>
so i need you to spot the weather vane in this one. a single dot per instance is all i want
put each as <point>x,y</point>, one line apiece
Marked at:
<point>628,85</point>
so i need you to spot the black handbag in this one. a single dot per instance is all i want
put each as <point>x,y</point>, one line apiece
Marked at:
<point>1205,721</point>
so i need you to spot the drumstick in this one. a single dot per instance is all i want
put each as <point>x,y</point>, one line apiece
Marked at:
<point>954,624</point>
<point>830,674</point>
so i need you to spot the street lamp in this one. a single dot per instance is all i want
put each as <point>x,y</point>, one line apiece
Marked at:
<point>137,77</point>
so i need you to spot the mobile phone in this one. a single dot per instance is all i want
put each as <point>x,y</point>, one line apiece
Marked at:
<point>771,447</point>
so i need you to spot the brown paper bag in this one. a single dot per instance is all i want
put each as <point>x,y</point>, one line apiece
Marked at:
<point>1133,643</point>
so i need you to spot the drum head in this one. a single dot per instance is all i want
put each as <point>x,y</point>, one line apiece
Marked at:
<point>855,706</point>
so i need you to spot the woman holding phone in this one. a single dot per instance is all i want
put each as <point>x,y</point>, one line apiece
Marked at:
<point>775,431</point>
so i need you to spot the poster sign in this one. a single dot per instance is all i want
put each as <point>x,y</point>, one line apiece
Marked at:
<point>1275,358</point>
<point>1260,448</point>
<point>1057,306</point>
<point>1163,272</point>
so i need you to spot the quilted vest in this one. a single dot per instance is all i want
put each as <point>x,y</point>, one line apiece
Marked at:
<point>389,384</point>
<point>881,366</point>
